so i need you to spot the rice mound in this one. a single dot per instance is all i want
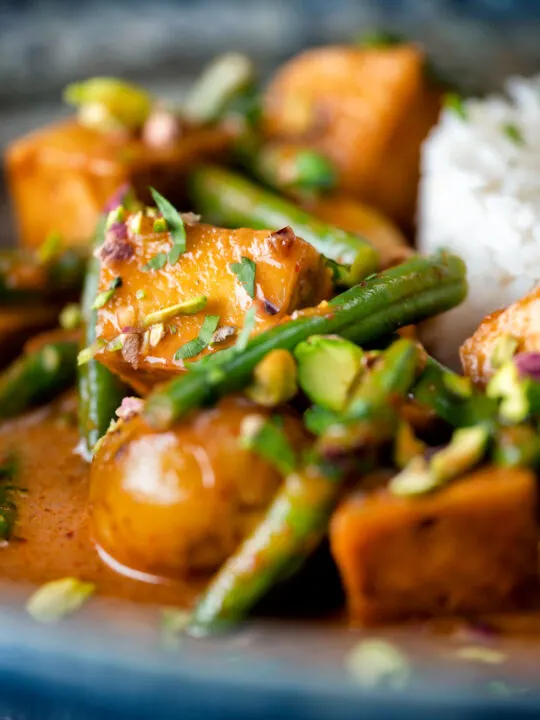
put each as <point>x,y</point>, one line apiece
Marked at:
<point>480,198</point>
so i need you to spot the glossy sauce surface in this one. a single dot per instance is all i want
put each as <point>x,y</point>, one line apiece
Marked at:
<point>51,535</point>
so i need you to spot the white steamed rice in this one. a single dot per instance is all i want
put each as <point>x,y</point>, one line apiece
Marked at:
<point>480,198</point>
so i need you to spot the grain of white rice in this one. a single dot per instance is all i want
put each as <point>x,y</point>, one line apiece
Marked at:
<point>480,197</point>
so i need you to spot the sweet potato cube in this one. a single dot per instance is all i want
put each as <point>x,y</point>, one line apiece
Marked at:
<point>367,109</point>
<point>61,177</point>
<point>289,274</point>
<point>521,320</point>
<point>469,548</point>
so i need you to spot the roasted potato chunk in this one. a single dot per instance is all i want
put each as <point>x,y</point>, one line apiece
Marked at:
<point>353,216</point>
<point>289,274</point>
<point>367,109</point>
<point>61,177</point>
<point>170,504</point>
<point>520,320</point>
<point>468,548</point>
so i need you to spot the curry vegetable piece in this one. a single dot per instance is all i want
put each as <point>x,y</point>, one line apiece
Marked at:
<point>380,305</point>
<point>37,377</point>
<point>228,198</point>
<point>298,517</point>
<point>100,392</point>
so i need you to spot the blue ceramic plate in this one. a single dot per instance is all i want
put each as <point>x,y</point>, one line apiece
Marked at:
<point>111,660</point>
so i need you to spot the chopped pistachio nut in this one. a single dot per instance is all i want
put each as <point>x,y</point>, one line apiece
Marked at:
<point>375,663</point>
<point>156,334</point>
<point>71,317</point>
<point>186,307</point>
<point>87,353</point>
<point>59,598</point>
<point>109,103</point>
<point>414,479</point>
<point>116,343</point>
<point>406,446</point>
<point>160,225</point>
<point>504,349</point>
<point>140,294</point>
<point>50,247</point>
<point>459,385</point>
<point>507,386</point>
<point>274,379</point>
<point>103,298</point>
<point>134,223</point>
<point>50,358</point>
<point>118,215</point>
<point>465,451</point>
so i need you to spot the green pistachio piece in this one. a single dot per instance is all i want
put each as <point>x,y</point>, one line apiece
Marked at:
<point>274,379</point>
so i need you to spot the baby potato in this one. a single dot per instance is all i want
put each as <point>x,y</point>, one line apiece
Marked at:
<point>179,502</point>
<point>287,273</point>
<point>366,109</point>
<point>61,177</point>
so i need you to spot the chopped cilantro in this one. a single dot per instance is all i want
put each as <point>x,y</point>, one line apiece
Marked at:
<point>245,272</point>
<point>513,133</point>
<point>198,344</point>
<point>175,225</point>
<point>155,263</point>
<point>455,103</point>
<point>54,600</point>
<point>245,332</point>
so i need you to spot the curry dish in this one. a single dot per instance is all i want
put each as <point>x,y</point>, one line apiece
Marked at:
<point>213,369</point>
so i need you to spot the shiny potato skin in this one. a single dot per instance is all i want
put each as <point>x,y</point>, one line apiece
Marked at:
<point>178,503</point>
<point>289,274</point>
<point>366,109</point>
<point>61,177</point>
<point>521,320</point>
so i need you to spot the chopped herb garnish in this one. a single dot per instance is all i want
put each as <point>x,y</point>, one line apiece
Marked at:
<point>59,598</point>
<point>174,224</point>
<point>456,104</point>
<point>187,307</point>
<point>267,438</point>
<point>198,344</point>
<point>155,263</point>
<point>245,271</point>
<point>70,317</point>
<point>103,298</point>
<point>50,247</point>
<point>172,329</point>
<point>513,133</point>
<point>375,663</point>
<point>245,332</point>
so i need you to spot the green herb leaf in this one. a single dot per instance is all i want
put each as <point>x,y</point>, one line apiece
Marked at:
<point>245,332</point>
<point>198,344</point>
<point>245,271</point>
<point>59,598</point>
<point>267,438</point>
<point>375,663</point>
<point>513,133</point>
<point>155,263</point>
<point>455,103</point>
<point>175,225</point>
<point>314,171</point>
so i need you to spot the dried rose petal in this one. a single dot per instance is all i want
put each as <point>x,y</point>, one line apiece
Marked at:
<point>161,130</point>
<point>117,198</point>
<point>117,231</point>
<point>116,247</point>
<point>130,407</point>
<point>528,364</point>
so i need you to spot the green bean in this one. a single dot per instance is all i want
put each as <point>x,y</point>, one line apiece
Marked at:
<point>100,392</point>
<point>375,308</point>
<point>298,518</point>
<point>37,377</point>
<point>229,199</point>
